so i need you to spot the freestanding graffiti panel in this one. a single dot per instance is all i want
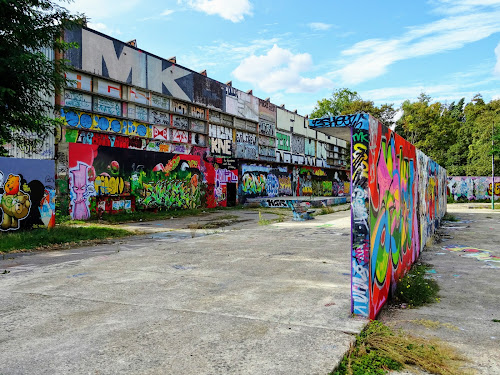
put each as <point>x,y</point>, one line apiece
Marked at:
<point>398,196</point>
<point>27,193</point>
<point>395,242</point>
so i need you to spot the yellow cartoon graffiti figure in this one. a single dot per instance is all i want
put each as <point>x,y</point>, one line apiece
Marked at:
<point>15,203</point>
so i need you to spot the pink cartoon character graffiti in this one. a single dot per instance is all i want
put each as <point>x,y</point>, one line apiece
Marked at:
<point>81,190</point>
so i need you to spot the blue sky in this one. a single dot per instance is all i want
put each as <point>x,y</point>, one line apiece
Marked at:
<point>298,52</point>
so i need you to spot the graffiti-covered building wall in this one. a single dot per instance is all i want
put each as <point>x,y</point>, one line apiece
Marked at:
<point>398,197</point>
<point>468,188</point>
<point>129,114</point>
<point>27,193</point>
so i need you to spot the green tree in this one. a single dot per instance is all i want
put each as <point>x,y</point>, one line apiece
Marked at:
<point>482,118</point>
<point>385,113</point>
<point>335,105</point>
<point>345,101</point>
<point>28,78</point>
<point>458,136</point>
<point>431,127</point>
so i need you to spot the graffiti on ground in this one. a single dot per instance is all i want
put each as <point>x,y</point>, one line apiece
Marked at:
<point>472,252</point>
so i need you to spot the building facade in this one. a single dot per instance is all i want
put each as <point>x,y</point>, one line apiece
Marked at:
<point>142,132</point>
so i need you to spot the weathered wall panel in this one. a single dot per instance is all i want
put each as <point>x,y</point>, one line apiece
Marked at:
<point>102,55</point>
<point>241,104</point>
<point>30,146</point>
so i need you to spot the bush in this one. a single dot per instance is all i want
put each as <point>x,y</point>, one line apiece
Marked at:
<point>417,288</point>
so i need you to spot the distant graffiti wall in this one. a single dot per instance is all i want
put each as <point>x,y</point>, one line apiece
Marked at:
<point>131,179</point>
<point>27,193</point>
<point>473,188</point>
<point>398,197</point>
<point>264,181</point>
<point>432,196</point>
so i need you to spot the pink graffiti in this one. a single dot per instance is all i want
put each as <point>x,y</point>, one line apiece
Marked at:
<point>81,191</point>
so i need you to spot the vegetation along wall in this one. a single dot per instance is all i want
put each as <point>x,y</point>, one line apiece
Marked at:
<point>27,193</point>
<point>398,196</point>
<point>473,188</point>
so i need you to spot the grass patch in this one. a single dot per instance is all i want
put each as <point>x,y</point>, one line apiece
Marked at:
<point>331,209</point>
<point>495,320</point>
<point>263,221</point>
<point>379,349</point>
<point>324,211</point>
<point>450,217</point>
<point>417,288</point>
<point>61,234</point>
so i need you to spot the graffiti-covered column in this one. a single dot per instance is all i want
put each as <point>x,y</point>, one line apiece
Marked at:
<point>360,227</point>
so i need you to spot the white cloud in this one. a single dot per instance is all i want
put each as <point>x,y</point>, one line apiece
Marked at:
<point>371,58</point>
<point>497,65</point>
<point>221,53</point>
<point>442,93</point>
<point>319,26</point>
<point>232,10</point>
<point>166,12</point>
<point>279,69</point>
<point>462,6</point>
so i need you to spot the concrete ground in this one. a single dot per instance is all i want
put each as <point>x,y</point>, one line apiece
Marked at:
<point>241,299</point>
<point>469,289</point>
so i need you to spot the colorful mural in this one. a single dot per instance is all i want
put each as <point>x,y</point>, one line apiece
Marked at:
<point>473,188</point>
<point>147,180</point>
<point>398,196</point>
<point>27,193</point>
<point>263,181</point>
<point>394,238</point>
<point>432,199</point>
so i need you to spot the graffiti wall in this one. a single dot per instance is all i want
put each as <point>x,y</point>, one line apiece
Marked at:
<point>27,193</point>
<point>432,196</point>
<point>473,188</point>
<point>264,181</point>
<point>111,180</point>
<point>398,197</point>
<point>394,224</point>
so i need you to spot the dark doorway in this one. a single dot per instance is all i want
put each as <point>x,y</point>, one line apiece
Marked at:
<point>231,194</point>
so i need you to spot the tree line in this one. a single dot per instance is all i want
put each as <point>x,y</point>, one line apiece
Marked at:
<point>459,136</point>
